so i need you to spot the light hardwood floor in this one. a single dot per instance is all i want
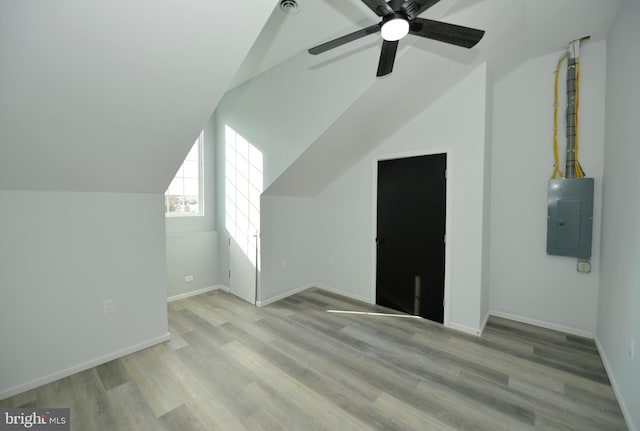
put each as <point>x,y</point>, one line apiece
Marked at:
<point>300,365</point>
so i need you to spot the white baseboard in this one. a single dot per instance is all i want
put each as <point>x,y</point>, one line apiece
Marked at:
<point>196,292</point>
<point>81,367</point>
<point>465,329</point>
<point>284,295</point>
<point>625,410</point>
<point>543,324</point>
<point>309,286</point>
<point>345,294</point>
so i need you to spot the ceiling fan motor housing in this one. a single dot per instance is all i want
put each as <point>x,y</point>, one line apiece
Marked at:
<point>398,18</point>
<point>395,15</point>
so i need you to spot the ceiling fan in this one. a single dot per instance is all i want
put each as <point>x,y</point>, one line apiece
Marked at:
<point>399,18</point>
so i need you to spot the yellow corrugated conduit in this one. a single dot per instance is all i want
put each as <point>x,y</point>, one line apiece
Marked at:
<point>556,165</point>
<point>557,173</point>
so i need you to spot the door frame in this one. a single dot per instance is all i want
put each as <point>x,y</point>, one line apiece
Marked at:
<point>448,221</point>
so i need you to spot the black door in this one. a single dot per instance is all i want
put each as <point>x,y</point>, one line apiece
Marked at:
<point>410,236</point>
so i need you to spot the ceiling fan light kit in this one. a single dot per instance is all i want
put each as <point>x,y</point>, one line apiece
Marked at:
<point>394,29</point>
<point>399,18</point>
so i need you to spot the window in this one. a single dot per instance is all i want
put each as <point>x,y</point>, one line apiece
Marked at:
<point>184,195</point>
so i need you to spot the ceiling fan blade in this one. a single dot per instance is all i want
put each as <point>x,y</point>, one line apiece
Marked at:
<point>344,39</point>
<point>379,7</point>
<point>387,57</point>
<point>413,8</point>
<point>444,32</point>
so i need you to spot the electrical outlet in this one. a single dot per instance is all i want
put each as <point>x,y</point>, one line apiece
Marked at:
<point>584,266</point>
<point>632,347</point>
<point>108,306</point>
<point>188,278</point>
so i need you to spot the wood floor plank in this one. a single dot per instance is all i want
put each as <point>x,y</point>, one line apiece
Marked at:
<point>321,411</point>
<point>112,374</point>
<point>133,413</point>
<point>154,378</point>
<point>335,385</point>
<point>320,361</point>
<point>281,407</point>
<point>405,415</point>
<point>181,419</point>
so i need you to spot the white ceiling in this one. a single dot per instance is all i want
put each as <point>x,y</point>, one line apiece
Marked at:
<point>316,21</point>
<point>549,25</point>
<point>110,95</point>
<point>516,30</point>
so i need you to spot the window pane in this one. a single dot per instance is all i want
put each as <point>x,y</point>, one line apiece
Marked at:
<point>175,188</point>
<point>191,187</point>
<point>191,205</point>
<point>191,169</point>
<point>194,153</point>
<point>174,204</point>
<point>180,172</point>
<point>184,194</point>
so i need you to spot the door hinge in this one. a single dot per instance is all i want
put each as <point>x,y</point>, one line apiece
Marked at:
<point>443,300</point>
<point>229,273</point>
<point>445,173</point>
<point>445,238</point>
<point>229,240</point>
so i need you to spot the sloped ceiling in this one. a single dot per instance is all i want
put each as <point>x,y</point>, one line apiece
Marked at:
<point>109,96</point>
<point>517,30</point>
<point>286,35</point>
<point>424,71</point>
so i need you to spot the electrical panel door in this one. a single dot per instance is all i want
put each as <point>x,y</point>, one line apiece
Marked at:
<point>570,217</point>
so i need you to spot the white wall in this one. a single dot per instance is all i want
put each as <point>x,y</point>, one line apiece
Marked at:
<point>526,283</point>
<point>61,255</point>
<point>284,110</point>
<point>192,242</point>
<point>485,296</point>
<point>344,234</point>
<point>192,254</point>
<point>223,236</point>
<point>619,300</point>
<point>287,244</point>
<point>343,248</point>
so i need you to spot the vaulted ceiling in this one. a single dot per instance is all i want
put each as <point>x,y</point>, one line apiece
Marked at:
<point>110,95</point>
<point>546,24</point>
<point>516,30</point>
